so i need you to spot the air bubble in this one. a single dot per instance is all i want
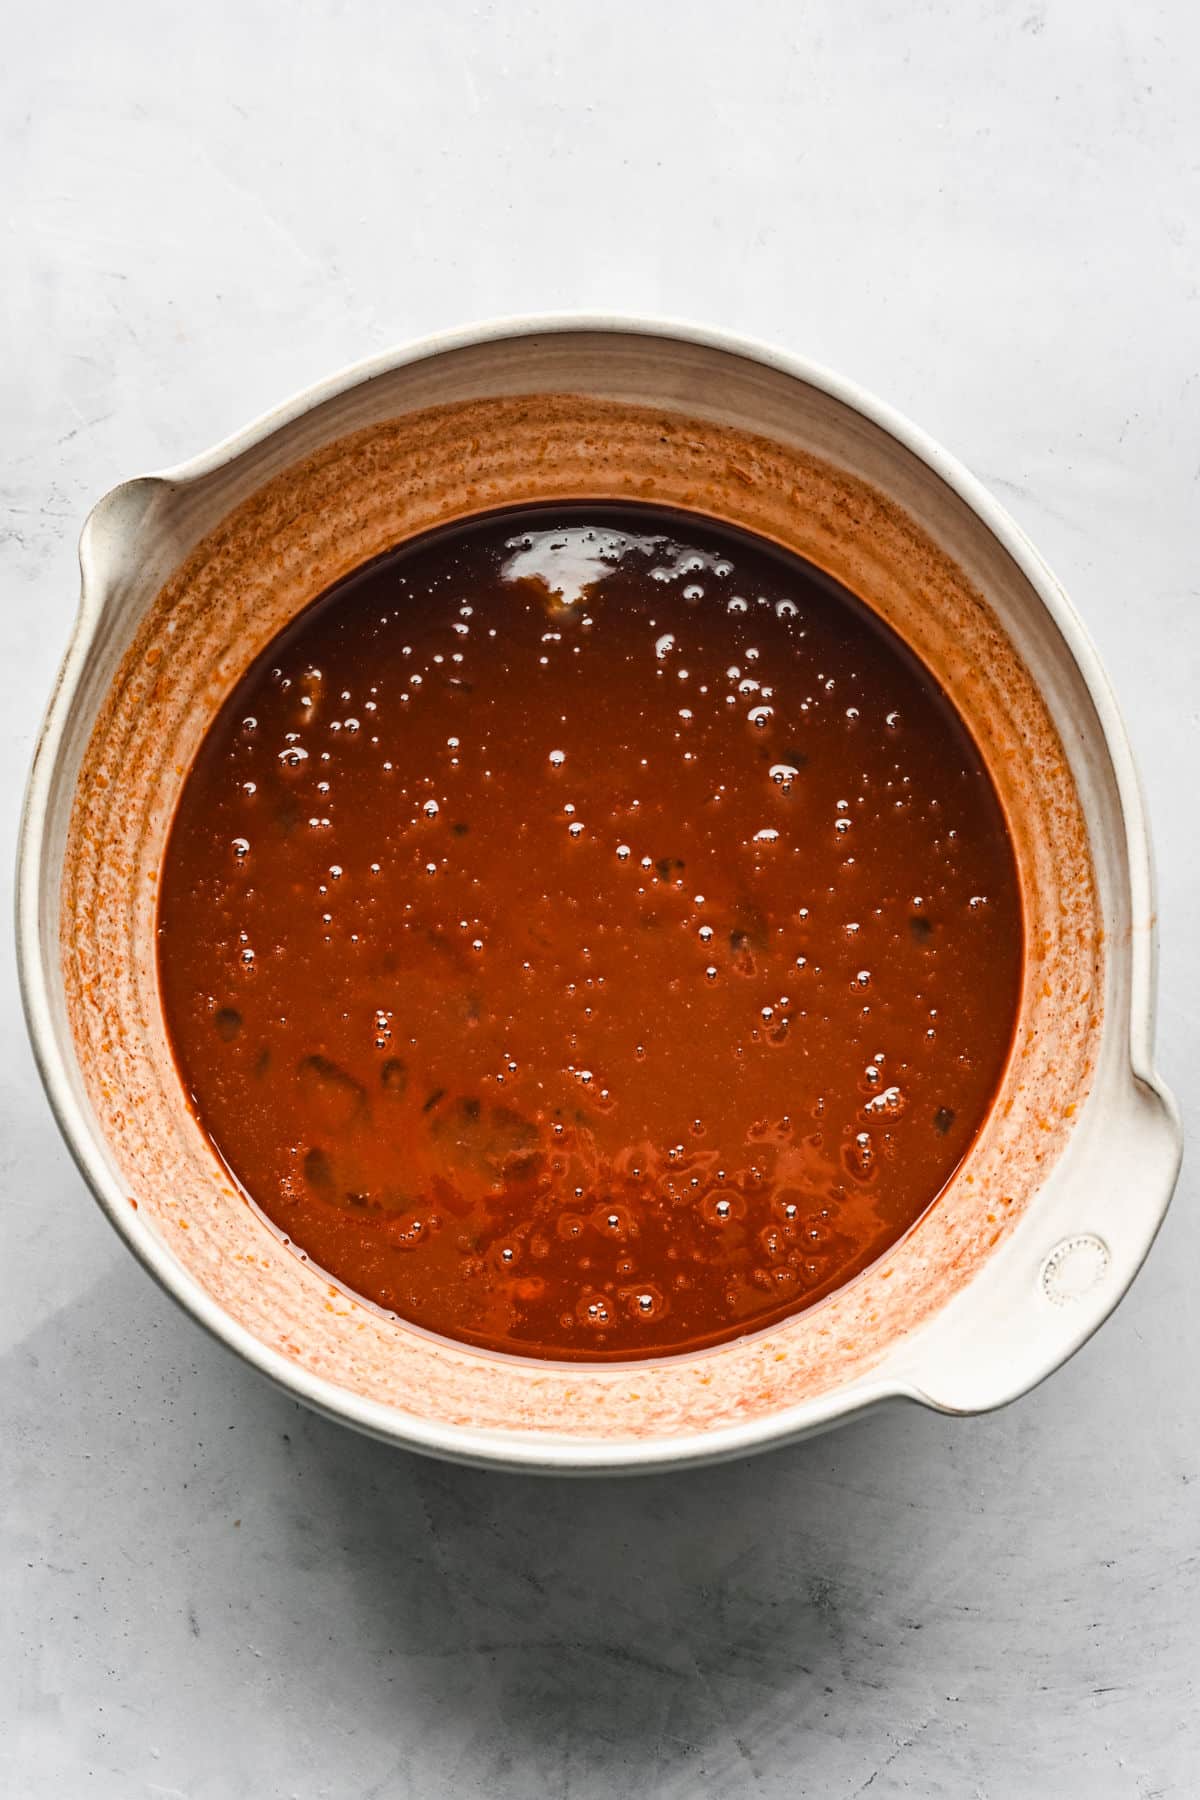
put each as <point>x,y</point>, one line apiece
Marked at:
<point>593,1309</point>
<point>891,1102</point>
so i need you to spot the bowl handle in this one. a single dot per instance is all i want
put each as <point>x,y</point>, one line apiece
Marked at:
<point>1066,1265</point>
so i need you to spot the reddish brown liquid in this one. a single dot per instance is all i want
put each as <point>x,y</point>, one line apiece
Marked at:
<point>587,932</point>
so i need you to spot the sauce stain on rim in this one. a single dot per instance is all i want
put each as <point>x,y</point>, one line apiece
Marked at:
<point>333,489</point>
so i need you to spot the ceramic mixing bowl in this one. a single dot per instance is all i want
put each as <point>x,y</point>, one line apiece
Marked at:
<point>186,575</point>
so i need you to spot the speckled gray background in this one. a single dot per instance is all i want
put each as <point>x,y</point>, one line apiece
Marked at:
<point>989,213</point>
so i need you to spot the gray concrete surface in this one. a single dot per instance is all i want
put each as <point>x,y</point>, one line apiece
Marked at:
<point>988,212</point>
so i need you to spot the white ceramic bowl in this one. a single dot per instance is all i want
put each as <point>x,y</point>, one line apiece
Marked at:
<point>187,574</point>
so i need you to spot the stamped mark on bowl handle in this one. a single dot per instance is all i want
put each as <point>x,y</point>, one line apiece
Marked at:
<point>1074,1268</point>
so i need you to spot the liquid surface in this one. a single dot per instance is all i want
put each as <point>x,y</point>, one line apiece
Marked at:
<point>588,933</point>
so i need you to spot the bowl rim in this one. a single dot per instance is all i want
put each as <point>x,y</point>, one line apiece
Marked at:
<point>524,1450</point>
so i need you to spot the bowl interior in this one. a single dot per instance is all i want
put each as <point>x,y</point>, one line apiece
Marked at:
<point>185,581</point>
